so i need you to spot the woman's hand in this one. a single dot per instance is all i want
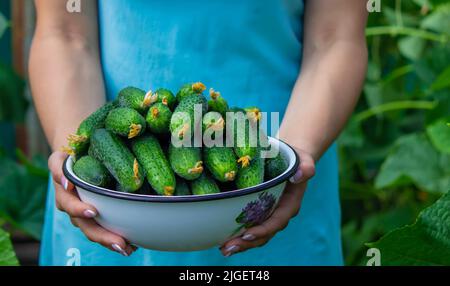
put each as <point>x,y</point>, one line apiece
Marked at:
<point>287,208</point>
<point>82,214</point>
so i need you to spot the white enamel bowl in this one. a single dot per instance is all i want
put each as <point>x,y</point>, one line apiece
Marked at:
<point>183,223</point>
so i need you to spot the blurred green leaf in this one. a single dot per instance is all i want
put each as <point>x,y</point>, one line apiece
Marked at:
<point>352,136</point>
<point>12,101</point>
<point>394,106</point>
<point>22,197</point>
<point>4,24</point>
<point>397,73</point>
<point>425,243</point>
<point>424,72</point>
<point>438,20</point>
<point>406,31</point>
<point>415,160</point>
<point>422,3</point>
<point>373,71</point>
<point>411,47</point>
<point>391,17</point>
<point>442,109</point>
<point>372,227</point>
<point>7,254</point>
<point>37,166</point>
<point>439,2</point>
<point>442,81</point>
<point>405,93</point>
<point>374,94</point>
<point>439,134</point>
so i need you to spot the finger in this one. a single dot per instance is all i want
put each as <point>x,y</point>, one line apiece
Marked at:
<point>132,246</point>
<point>70,203</point>
<point>240,245</point>
<point>68,186</point>
<point>306,169</point>
<point>277,222</point>
<point>55,163</point>
<point>259,235</point>
<point>288,207</point>
<point>255,236</point>
<point>98,234</point>
<point>130,249</point>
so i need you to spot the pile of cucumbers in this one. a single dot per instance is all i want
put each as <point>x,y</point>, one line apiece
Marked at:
<point>126,145</point>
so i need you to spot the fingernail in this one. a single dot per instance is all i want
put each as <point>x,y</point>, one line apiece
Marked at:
<point>297,177</point>
<point>248,237</point>
<point>64,182</point>
<point>230,250</point>
<point>119,249</point>
<point>89,213</point>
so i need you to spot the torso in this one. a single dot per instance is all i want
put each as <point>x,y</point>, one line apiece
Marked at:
<point>248,50</point>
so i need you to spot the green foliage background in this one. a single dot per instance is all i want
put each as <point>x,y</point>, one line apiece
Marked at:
<point>395,151</point>
<point>22,181</point>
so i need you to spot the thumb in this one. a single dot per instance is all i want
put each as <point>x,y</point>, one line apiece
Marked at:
<point>306,169</point>
<point>55,164</point>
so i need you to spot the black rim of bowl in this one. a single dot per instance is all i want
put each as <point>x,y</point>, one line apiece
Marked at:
<point>191,198</point>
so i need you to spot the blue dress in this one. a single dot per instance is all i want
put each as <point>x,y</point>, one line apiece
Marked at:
<point>251,52</point>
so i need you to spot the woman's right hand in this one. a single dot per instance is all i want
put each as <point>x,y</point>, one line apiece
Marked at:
<point>81,214</point>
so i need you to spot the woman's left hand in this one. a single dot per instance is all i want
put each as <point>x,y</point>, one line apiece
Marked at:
<point>287,208</point>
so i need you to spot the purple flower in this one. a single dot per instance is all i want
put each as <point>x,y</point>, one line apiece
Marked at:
<point>256,212</point>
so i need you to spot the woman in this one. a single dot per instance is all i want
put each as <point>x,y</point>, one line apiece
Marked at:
<point>252,52</point>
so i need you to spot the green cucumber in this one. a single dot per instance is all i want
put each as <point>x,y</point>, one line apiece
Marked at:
<point>204,185</point>
<point>125,122</point>
<point>245,148</point>
<point>158,118</point>
<point>135,98</point>
<point>235,109</point>
<point>253,114</point>
<point>92,171</point>
<point>186,161</point>
<point>150,154</point>
<point>221,162</point>
<point>90,151</point>
<point>214,121</point>
<point>182,188</point>
<point>190,89</point>
<point>252,174</point>
<point>185,90</point>
<point>217,103</point>
<point>183,120</point>
<point>275,167</point>
<point>79,142</point>
<point>166,97</point>
<point>112,152</point>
